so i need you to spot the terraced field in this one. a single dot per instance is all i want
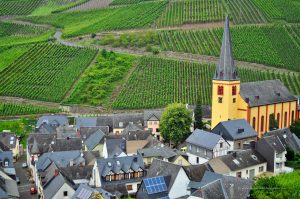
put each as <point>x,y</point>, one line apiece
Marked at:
<point>271,45</point>
<point>157,82</point>
<point>45,72</point>
<point>18,7</point>
<point>11,109</point>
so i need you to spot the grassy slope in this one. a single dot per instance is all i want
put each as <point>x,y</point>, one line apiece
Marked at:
<point>9,55</point>
<point>132,16</point>
<point>98,82</point>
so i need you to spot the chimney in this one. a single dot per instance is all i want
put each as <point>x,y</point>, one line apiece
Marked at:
<point>56,172</point>
<point>241,130</point>
<point>234,154</point>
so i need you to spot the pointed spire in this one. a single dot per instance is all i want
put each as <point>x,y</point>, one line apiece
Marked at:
<point>226,69</point>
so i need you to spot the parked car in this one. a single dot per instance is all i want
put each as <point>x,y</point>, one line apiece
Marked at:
<point>24,165</point>
<point>33,190</point>
<point>18,180</point>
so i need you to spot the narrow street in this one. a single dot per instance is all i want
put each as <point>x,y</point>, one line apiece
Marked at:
<point>23,174</point>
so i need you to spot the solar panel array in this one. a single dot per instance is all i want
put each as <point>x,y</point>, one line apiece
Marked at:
<point>155,185</point>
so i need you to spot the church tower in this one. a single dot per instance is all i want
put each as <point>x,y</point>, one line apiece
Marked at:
<point>226,83</point>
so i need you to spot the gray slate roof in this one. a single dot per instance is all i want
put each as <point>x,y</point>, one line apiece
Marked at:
<point>203,139</point>
<point>244,159</point>
<point>87,131</point>
<point>78,172</point>
<point>120,163</point>
<point>265,92</point>
<point>8,187</point>
<point>53,186</point>
<point>61,159</point>
<point>86,122</point>
<point>53,120</point>
<point>148,114</point>
<point>93,140</point>
<point>8,139</point>
<point>226,69</point>
<point>229,130</point>
<point>158,152</point>
<point>162,168</point>
<point>7,156</point>
<point>115,146</point>
<point>195,172</point>
<point>287,138</point>
<point>231,186</point>
<point>273,142</point>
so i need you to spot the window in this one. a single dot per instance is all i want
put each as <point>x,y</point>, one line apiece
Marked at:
<point>141,173</point>
<point>234,100</point>
<point>253,122</point>
<point>234,90</point>
<point>239,174</point>
<point>262,123</point>
<point>117,132</point>
<point>155,122</point>
<point>292,116</point>
<point>126,175</point>
<point>261,169</point>
<point>129,187</point>
<point>285,119</point>
<point>190,147</point>
<point>197,160</point>
<point>205,152</point>
<point>220,90</point>
<point>239,145</point>
<point>130,175</point>
<point>180,162</point>
<point>135,174</point>
<point>113,177</point>
<point>121,176</point>
<point>150,123</point>
<point>221,145</point>
<point>65,193</point>
<point>6,163</point>
<point>220,99</point>
<point>247,172</point>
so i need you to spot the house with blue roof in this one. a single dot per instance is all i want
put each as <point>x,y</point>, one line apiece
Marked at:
<point>203,146</point>
<point>238,133</point>
<point>154,187</point>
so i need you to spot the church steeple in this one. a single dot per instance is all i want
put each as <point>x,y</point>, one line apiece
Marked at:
<point>226,69</point>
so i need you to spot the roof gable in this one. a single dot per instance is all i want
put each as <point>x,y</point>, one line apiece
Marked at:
<point>203,139</point>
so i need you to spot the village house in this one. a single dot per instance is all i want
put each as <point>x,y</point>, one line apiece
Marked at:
<point>177,179</point>
<point>272,149</point>
<point>163,153</point>
<point>8,187</point>
<point>53,121</point>
<point>287,138</point>
<point>88,192</point>
<point>203,146</point>
<point>214,185</point>
<point>153,188</point>
<point>245,164</point>
<point>237,133</point>
<point>122,174</point>
<point>10,141</point>
<point>253,101</point>
<point>151,121</point>
<point>6,163</point>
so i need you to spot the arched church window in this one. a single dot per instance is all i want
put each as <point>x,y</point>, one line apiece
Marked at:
<point>233,90</point>
<point>220,90</point>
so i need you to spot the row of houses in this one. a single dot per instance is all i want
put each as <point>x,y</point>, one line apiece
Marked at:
<point>92,158</point>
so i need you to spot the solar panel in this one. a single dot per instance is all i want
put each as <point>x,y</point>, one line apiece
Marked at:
<point>155,185</point>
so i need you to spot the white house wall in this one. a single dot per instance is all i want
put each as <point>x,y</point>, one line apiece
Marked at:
<point>180,185</point>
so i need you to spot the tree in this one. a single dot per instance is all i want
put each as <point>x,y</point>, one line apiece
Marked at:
<point>198,124</point>
<point>175,123</point>
<point>273,124</point>
<point>295,128</point>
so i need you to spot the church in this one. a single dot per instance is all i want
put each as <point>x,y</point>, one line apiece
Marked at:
<point>254,101</point>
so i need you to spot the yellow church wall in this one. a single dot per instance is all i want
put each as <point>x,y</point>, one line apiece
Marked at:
<point>227,109</point>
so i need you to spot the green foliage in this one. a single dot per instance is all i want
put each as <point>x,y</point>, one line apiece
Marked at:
<point>125,17</point>
<point>295,128</point>
<point>11,109</point>
<point>22,127</point>
<point>281,186</point>
<point>157,82</point>
<point>141,39</point>
<point>98,82</point>
<point>198,123</point>
<point>18,7</point>
<point>273,123</point>
<point>13,29</point>
<point>280,10</point>
<point>278,46</point>
<point>175,123</point>
<point>290,156</point>
<point>195,11</point>
<point>9,54</point>
<point>45,72</point>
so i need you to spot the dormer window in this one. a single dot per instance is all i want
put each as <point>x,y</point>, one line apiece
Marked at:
<point>234,90</point>
<point>257,97</point>
<point>220,90</point>
<point>6,163</point>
